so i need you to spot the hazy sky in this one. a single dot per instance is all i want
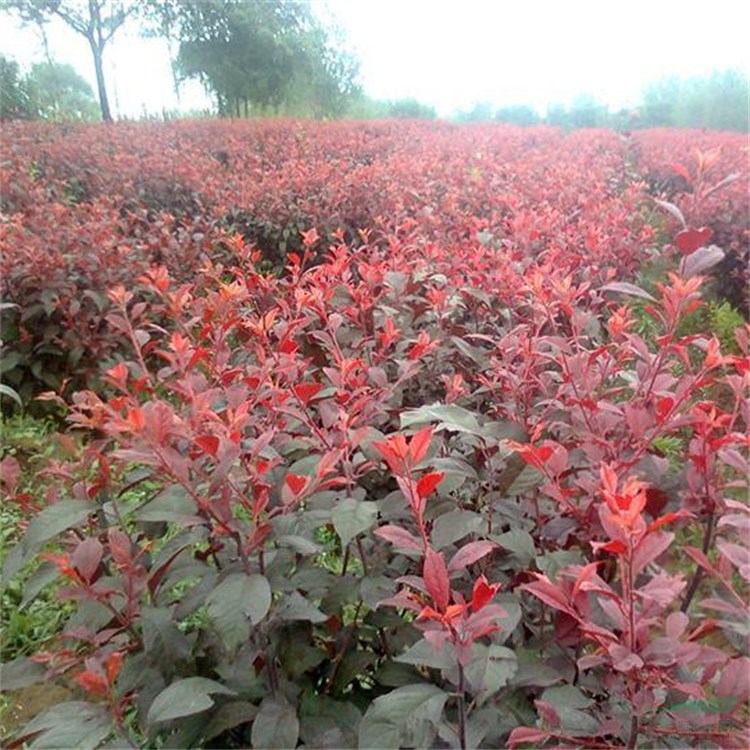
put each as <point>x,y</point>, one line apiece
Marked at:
<point>454,54</point>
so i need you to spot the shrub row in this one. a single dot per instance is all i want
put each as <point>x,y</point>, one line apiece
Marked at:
<point>458,481</point>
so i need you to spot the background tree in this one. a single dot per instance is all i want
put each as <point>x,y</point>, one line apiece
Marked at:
<point>57,92</point>
<point>719,101</point>
<point>14,98</point>
<point>96,20</point>
<point>327,84</point>
<point>257,55</point>
<point>518,114</point>
<point>411,109</point>
<point>49,91</point>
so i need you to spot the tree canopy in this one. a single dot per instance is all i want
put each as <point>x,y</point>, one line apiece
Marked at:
<point>258,54</point>
<point>49,91</point>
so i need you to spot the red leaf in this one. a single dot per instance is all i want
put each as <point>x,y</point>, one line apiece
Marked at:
<point>702,560</point>
<point>550,594</point>
<point>668,518</point>
<point>435,576</point>
<point>113,666</point>
<point>86,558</point>
<point>483,593</point>
<point>92,682</point>
<point>296,484</point>
<point>427,484</point>
<point>420,444</point>
<point>733,682</point>
<point>656,501</point>
<point>469,554</point>
<point>161,571</point>
<point>208,444</point>
<point>689,240</point>
<point>682,171</point>
<point>120,546</point>
<point>136,420</point>
<point>398,536</point>
<point>10,473</point>
<point>306,392</point>
<point>616,547</point>
<point>527,736</point>
<point>623,659</point>
<point>548,713</point>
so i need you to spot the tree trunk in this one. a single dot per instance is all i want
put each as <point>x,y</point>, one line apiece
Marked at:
<point>100,85</point>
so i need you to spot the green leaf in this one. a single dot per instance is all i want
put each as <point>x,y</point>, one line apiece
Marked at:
<point>455,466</point>
<point>404,715</point>
<point>45,574</point>
<point>299,544</point>
<point>520,543</point>
<point>532,673</point>
<point>473,353</point>
<point>20,673</point>
<point>296,607</point>
<point>422,654</point>
<point>552,562</point>
<point>229,716</point>
<point>173,504</point>
<point>566,695</point>
<point>163,641</point>
<point>71,724</point>
<point>568,702</point>
<point>448,417</point>
<point>325,722</point>
<point>7,363</point>
<point>450,527</point>
<point>55,519</point>
<point>509,621</point>
<point>528,479</point>
<point>490,669</point>
<point>351,517</point>
<point>184,698</point>
<point>275,726</point>
<point>238,602</point>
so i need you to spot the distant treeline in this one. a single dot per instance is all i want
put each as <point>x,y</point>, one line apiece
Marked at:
<point>720,101</point>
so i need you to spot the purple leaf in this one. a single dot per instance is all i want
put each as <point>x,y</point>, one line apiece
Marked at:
<point>625,288</point>
<point>701,260</point>
<point>398,537</point>
<point>469,554</point>
<point>673,210</point>
<point>649,548</point>
<point>87,556</point>
<point>435,576</point>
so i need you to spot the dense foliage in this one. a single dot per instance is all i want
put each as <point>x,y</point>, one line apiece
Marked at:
<point>397,434</point>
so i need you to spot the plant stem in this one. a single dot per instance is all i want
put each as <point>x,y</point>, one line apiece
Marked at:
<point>634,728</point>
<point>362,555</point>
<point>461,707</point>
<point>698,574</point>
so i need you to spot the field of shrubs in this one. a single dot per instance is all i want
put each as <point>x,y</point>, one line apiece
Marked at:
<point>377,435</point>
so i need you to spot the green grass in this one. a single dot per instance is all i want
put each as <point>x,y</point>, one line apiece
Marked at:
<point>26,626</point>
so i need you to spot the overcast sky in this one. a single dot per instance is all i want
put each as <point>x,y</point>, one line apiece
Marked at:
<point>455,54</point>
